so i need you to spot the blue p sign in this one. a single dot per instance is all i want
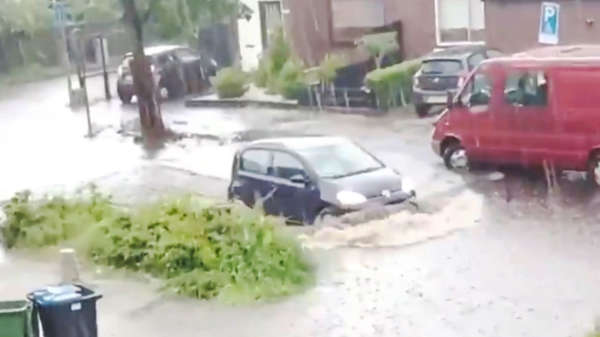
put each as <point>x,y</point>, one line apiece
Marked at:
<point>548,32</point>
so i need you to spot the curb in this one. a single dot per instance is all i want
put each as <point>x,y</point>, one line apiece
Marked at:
<point>231,103</point>
<point>237,103</point>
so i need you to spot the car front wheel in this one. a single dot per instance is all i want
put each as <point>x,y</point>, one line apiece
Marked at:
<point>422,109</point>
<point>455,157</point>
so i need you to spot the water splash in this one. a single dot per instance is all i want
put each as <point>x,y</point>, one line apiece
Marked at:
<point>403,228</point>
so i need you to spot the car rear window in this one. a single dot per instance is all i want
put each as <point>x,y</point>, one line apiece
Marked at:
<point>441,67</point>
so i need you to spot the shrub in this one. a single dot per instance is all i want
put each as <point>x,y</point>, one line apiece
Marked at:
<point>279,51</point>
<point>380,44</point>
<point>393,85</point>
<point>261,75</point>
<point>230,83</point>
<point>291,82</point>
<point>50,220</point>
<point>200,249</point>
<point>328,68</point>
<point>273,61</point>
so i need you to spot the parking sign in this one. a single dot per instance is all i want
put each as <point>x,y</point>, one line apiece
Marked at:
<point>549,23</point>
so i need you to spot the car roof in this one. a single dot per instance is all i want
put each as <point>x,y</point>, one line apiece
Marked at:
<point>159,49</point>
<point>460,52</point>
<point>155,50</point>
<point>297,143</point>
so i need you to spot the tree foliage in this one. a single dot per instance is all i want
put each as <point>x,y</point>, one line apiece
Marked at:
<point>23,16</point>
<point>172,19</point>
<point>380,44</point>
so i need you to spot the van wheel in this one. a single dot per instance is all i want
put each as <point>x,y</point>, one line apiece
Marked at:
<point>422,109</point>
<point>455,157</point>
<point>593,174</point>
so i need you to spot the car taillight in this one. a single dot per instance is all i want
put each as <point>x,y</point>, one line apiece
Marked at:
<point>120,71</point>
<point>416,81</point>
<point>461,81</point>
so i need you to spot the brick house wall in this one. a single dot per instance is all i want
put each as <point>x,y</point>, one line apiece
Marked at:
<point>512,25</point>
<point>418,24</point>
<point>308,24</point>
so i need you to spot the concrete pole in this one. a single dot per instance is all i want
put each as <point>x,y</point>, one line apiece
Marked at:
<point>69,267</point>
<point>104,71</point>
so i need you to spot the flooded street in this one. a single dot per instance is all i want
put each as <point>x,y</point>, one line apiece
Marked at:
<point>488,254</point>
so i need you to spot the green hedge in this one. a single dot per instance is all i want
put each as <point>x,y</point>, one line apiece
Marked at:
<point>198,248</point>
<point>272,61</point>
<point>393,85</point>
<point>291,84</point>
<point>230,83</point>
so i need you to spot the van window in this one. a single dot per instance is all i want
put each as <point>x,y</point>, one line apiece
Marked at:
<point>478,91</point>
<point>526,89</point>
<point>286,166</point>
<point>256,161</point>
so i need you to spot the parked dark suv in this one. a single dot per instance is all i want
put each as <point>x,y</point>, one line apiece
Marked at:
<point>445,70</point>
<point>174,68</point>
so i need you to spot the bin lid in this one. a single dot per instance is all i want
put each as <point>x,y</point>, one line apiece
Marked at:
<point>56,294</point>
<point>9,307</point>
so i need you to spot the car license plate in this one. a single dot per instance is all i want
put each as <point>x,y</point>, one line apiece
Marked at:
<point>435,99</point>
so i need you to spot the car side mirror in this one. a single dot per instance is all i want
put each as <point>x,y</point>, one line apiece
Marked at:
<point>449,99</point>
<point>299,179</point>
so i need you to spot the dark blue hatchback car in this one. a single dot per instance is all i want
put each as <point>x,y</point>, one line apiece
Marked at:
<point>305,179</point>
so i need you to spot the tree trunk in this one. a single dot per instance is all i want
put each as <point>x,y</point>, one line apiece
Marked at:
<point>153,128</point>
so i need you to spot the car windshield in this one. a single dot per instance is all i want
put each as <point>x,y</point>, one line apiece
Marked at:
<point>441,67</point>
<point>340,160</point>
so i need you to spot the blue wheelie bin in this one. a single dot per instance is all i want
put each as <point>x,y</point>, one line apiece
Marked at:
<point>66,311</point>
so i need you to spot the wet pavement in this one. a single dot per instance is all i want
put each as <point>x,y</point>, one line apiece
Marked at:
<point>489,255</point>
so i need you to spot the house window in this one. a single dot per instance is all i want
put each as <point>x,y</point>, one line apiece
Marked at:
<point>270,20</point>
<point>350,19</point>
<point>459,21</point>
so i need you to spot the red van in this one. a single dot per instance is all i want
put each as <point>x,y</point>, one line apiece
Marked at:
<point>538,106</point>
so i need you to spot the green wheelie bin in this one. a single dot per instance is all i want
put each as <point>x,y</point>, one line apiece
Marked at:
<point>15,319</point>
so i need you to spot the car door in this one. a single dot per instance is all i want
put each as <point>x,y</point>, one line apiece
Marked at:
<point>296,195</point>
<point>473,117</point>
<point>253,183</point>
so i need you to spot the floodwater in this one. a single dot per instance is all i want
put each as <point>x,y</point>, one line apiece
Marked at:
<point>491,254</point>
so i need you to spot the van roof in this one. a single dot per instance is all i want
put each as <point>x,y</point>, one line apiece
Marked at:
<point>575,51</point>
<point>556,55</point>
